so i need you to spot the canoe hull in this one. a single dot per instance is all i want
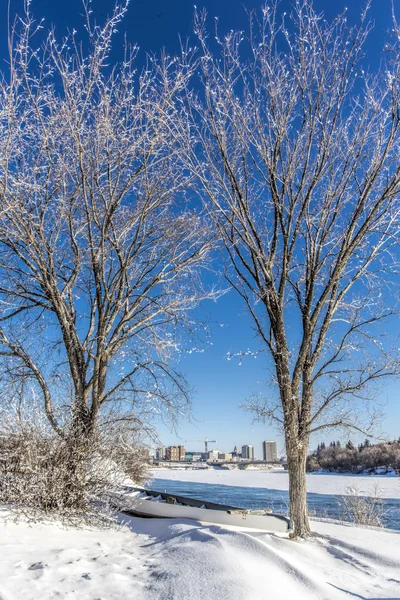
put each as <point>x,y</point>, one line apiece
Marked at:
<point>148,506</point>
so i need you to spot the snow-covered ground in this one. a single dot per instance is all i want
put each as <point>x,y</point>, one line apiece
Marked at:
<point>153,559</point>
<point>388,487</point>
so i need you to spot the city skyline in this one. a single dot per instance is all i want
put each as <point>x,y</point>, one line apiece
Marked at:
<point>227,450</point>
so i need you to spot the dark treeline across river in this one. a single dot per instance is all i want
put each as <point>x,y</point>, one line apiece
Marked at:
<point>320,505</point>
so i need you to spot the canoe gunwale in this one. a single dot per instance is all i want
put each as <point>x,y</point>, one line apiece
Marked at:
<point>234,512</point>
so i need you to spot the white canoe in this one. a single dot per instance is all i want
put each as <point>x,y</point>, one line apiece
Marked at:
<point>147,503</point>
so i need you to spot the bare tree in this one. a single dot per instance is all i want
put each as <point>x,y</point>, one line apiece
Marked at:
<point>296,151</point>
<point>100,252</point>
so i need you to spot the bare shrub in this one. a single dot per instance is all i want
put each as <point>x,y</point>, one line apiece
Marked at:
<point>132,460</point>
<point>34,474</point>
<point>363,510</point>
<point>40,474</point>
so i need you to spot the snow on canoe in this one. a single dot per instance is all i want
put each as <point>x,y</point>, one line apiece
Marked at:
<point>148,503</point>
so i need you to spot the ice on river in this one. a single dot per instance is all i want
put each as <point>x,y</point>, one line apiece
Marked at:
<point>318,483</point>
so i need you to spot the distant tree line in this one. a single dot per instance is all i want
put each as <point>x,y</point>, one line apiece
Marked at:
<point>355,459</point>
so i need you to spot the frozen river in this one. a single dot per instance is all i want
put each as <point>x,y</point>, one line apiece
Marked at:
<point>269,489</point>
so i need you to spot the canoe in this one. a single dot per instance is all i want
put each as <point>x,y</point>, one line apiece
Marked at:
<point>149,503</point>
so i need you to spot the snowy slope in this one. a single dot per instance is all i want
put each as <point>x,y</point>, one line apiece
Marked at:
<point>178,560</point>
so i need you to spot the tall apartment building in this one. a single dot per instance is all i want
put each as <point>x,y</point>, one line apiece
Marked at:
<point>270,453</point>
<point>175,453</point>
<point>248,452</point>
<point>160,453</point>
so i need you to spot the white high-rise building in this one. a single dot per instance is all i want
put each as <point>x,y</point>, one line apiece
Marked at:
<point>160,453</point>
<point>248,452</point>
<point>270,453</point>
<point>213,455</point>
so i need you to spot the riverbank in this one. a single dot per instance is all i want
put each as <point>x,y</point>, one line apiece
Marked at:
<point>149,559</point>
<point>329,496</point>
<point>317,483</point>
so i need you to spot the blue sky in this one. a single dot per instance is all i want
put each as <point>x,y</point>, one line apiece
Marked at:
<point>221,385</point>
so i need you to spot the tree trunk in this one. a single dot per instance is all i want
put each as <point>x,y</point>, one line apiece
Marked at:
<point>75,478</point>
<point>297,490</point>
<point>78,446</point>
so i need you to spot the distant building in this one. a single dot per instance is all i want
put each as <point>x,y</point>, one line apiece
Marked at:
<point>235,453</point>
<point>160,453</point>
<point>224,456</point>
<point>248,452</point>
<point>213,455</point>
<point>193,456</point>
<point>175,453</point>
<point>270,453</point>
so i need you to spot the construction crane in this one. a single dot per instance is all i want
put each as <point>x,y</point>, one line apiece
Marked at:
<point>206,441</point>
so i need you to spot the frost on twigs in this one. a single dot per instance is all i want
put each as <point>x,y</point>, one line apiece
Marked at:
<point>42,476</point>
<point>296,159</point>
<point>101,252</point>
<point>363,510</point>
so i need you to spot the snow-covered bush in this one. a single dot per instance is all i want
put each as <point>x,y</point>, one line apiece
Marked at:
<point>40,473</point>
<point>363,510</point>
<point>35,473</point>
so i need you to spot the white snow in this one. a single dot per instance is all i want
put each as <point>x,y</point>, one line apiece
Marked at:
<point>151,559</point>
<point>388,487</point>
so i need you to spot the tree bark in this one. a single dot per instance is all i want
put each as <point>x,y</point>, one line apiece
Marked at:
<point>75,478</point>
<point>79,444</point>
<point>297,456</point>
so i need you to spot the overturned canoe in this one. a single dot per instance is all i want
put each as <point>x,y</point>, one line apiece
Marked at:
<point>149,503</point>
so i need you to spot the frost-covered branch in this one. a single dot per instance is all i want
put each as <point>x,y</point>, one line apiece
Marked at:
<point>101,253</point>
<point>295,151</point>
